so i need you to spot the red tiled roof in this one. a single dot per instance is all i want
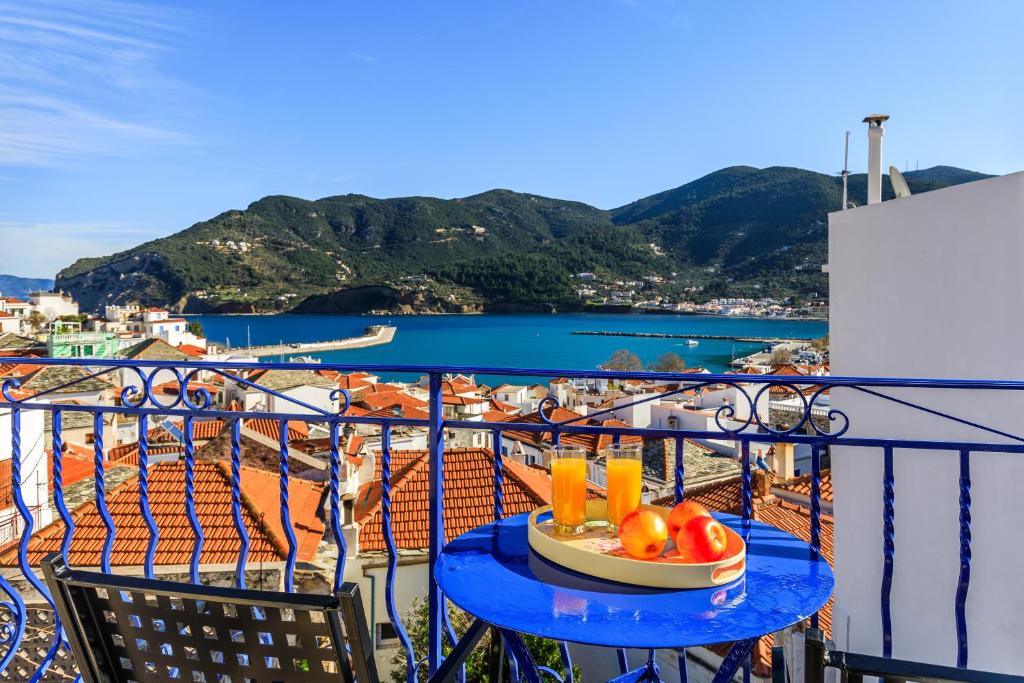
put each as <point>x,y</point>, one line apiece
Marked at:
<point>350,383</point>
<point>263,491</point>
<point>592,443</point>
<point>468,497</point>
<point>260,494</point>
<point>403,411</point>
<point>452,400</point>
<point>271,428</point>
<point>166,483</point>
<point>801,485</point>
<point>192,349</point>
<point>202,430</point>
<point>376,401</point>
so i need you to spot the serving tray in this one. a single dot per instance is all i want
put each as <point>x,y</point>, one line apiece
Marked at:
<point>596,552</point>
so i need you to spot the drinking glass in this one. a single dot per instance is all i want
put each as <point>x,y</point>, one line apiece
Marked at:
<point>568,488</point>
<point>623,470</point>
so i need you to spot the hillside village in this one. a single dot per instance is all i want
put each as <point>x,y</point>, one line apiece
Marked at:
<point>112,446</point>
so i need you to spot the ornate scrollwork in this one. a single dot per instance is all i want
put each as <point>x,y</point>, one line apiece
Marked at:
<point>342,393</point>
<point>552,403</point>
<point>8,386</point>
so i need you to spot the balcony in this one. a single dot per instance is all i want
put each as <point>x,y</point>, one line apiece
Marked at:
<point>320,490</point>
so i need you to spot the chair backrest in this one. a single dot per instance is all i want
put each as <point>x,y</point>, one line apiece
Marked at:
<point>129,629</point>
<point>853,667</point>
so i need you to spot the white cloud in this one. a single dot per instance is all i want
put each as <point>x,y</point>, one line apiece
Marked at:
<point>79,79</point>
<point>41,249</point>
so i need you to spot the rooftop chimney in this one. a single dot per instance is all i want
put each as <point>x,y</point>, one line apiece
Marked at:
<point>875,132</point>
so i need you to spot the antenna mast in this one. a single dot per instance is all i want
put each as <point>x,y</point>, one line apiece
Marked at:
<point>846,172</point>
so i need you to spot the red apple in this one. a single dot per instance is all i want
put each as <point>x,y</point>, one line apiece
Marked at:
<point>702,539</point>
<point>643,534</point>
<point>683,513</point>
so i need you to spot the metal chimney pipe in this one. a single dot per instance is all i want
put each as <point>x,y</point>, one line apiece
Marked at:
<point>875,133</point>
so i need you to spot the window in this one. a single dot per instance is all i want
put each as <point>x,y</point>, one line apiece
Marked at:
<point>386,635</point>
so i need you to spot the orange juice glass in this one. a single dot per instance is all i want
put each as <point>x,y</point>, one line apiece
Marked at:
<point>623,470</point>
<point>568,489</point>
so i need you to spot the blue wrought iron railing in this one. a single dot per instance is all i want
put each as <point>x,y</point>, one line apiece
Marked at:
<point>744,424</point>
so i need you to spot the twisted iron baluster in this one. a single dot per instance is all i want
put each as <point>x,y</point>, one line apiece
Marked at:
<point>286,518</point>
<point>190,500</point>
<point>101,492</point>
<point>965,558</point>
<point>680,493</point>
<point>499,476</point>
<point>58,486</point>
<point>680,469</point>
<point>236,501</point>
<point>888,547</point>
<point>815,511</point>
<point>144,508</point>
<point>26,535</point>
<point>389,543</point>
<point>339,538</point>
<point>435,598</point>
<point>747,494</point>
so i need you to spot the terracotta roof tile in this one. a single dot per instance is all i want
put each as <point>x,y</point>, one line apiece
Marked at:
<point>592,443</point>
<point>271,428</point>
<point>376,401</point>
<point>260,493</point>
<point>801,485</point>
<point>468,497</point>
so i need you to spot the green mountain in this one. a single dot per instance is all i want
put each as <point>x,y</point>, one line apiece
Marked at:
<point>19,287</point>
<point>740,231</point>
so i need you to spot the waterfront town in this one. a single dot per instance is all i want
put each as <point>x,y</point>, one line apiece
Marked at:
<point>519,342</point>
<point>49,324</point>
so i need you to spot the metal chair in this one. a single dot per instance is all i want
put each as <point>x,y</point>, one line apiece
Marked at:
<point>853,667</point>
<point>123,629</point>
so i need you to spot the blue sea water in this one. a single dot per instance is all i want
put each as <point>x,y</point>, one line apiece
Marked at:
<point>511,340</point>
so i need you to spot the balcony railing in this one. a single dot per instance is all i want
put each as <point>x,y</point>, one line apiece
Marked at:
<point>138,399</point>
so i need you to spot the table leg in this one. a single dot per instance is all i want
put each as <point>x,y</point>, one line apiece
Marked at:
<point>451,666</point>
<point>648,673</point>
<point>527,667</point>
<point>739,651</point>
<point>496,658</point>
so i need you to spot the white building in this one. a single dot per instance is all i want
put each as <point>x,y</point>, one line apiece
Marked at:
<point>296,390</point>
<point>53,305</point>
<point>9,323</point>
<point>929,286</point>
<point>34,474</point>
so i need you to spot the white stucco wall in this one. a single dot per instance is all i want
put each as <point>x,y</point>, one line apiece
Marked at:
<point>930,286</point>
<point>35,476</point>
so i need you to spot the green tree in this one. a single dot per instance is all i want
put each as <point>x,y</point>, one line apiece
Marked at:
<point>196,328</point>
<point>545,652</point>
<point>625,360</point>
<point>668,362</point>
<point>37,321</point>
<point>781,356</point>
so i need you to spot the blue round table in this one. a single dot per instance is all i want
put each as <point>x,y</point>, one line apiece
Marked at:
<point>492,574</point>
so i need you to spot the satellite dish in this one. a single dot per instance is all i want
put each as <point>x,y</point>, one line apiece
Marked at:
<point>899,183</point>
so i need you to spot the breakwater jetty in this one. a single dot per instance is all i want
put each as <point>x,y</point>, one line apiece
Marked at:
<point>726,337</point>
<point>374,336</point>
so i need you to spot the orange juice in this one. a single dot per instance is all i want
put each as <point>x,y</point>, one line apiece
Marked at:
<point>623,488</point>
<point>569,493</point>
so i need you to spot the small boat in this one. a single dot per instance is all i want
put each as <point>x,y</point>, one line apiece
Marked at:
<point>692,342</point>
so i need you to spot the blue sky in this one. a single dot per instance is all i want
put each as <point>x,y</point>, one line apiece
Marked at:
<point>121,122</point>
